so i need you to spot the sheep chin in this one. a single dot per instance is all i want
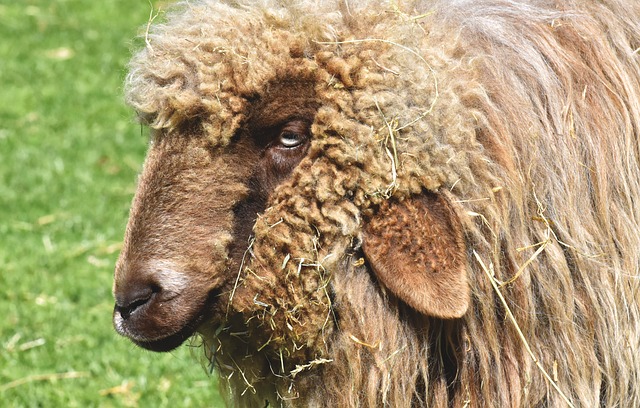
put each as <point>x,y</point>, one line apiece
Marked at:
<point>170,342</point>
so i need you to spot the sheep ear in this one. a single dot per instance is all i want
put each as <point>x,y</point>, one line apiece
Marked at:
<point>416,249</point>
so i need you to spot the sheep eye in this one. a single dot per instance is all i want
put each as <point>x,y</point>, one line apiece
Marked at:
<point>290,139</point>
<point>294,133</point>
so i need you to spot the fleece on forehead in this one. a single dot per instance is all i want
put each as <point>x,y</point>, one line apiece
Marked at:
<point>208,60</point>
<point>212,61</point>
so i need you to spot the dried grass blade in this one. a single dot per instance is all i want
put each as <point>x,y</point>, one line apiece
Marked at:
<point>520,334</point>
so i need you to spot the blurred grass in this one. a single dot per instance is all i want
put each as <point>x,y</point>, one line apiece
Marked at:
<point>69,154</point>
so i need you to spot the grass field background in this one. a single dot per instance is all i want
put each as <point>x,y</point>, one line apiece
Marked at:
<point>69,155</point>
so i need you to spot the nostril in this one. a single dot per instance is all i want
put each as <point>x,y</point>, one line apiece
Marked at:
<point>126,311</point>
<point>130,302</point>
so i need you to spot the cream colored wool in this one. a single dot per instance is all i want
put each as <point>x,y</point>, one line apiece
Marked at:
<point>527,114</point>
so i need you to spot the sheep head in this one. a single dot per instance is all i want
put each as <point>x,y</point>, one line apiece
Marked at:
<point>274,162</point>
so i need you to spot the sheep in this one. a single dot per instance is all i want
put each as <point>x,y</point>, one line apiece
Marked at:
<point>405,203</point>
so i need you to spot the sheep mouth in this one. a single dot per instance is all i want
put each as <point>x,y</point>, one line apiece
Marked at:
<point>165,341</point>
<point>146,330</point>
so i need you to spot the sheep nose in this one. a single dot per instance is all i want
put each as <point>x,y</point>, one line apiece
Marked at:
<point>128,301</point>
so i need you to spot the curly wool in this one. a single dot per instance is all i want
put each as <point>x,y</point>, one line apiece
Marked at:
<point>525,114</point>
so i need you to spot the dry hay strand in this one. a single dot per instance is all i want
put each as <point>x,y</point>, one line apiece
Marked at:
<point>491,275</point>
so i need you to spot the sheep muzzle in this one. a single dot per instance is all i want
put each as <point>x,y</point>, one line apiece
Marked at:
<point>175,259</point>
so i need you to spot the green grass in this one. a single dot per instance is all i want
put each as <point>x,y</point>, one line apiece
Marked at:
<point>69,154</point>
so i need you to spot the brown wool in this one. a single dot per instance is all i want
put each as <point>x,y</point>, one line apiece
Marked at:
<point>525,115</point>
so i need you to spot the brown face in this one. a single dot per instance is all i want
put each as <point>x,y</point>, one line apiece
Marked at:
<point>193,214</point>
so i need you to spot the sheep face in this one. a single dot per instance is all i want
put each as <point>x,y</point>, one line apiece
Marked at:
<point>192,217</point>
